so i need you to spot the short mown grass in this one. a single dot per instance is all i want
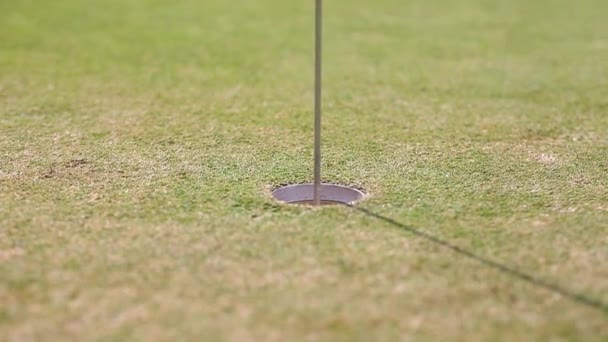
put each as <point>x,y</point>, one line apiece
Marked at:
<point>140,139</point>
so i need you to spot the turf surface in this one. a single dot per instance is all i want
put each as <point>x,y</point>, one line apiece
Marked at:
<point>139,141</point>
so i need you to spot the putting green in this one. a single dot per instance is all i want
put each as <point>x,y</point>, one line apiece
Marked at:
<point>140,141</point>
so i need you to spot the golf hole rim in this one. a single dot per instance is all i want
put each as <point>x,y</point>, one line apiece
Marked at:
<point>331,194</point>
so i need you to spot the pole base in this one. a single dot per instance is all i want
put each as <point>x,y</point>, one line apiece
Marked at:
<point>331,194</point>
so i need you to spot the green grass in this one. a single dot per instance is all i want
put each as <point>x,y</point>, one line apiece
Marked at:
<point>139,141</point>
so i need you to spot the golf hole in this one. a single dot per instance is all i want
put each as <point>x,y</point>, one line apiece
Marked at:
<point>331,194</point>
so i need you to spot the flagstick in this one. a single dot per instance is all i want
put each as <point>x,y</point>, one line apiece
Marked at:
<point>318,70</point>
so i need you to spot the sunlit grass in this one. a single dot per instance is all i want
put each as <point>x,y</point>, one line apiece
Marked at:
<point>139,141</point>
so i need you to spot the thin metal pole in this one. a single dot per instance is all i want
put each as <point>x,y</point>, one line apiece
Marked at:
<point>318,74</point>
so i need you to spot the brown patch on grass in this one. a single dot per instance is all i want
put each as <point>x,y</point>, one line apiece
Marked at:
<point>7,254</point>
<point>545,158</point>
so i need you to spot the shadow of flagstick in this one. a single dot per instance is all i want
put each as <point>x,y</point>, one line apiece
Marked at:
<point>576,297</point>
